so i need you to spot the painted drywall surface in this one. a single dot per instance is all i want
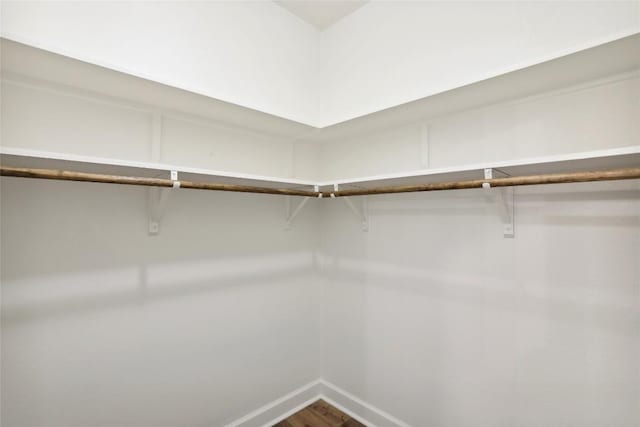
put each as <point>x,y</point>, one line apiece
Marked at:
<point>46,117</point>
<point>258,55</point>
<point>594,116</point>
<point>105,325</point>
<point>441,321</point>
<point>389,53</point>
<point>253,54</point>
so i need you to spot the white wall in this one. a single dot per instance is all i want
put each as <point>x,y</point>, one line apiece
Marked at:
<point>388,53</point>
<point>258,55</point>
<point>49,117</point>
<point>105,325</point>
<point>436,318</point>
<point>440,321</point>
<point>596,115</point>
<point>254,54</point>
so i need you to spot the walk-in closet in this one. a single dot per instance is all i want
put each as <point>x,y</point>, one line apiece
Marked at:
<point>320,213</point>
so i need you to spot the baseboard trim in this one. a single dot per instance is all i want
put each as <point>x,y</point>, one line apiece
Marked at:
<point>287,405</point>
<point>347,411</point>
<point>281,408</point>
<point>357,408</point>
<point>292,411</point>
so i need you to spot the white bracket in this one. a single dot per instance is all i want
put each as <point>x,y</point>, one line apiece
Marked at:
<point>157,203</point>
<point>291,214</point>
<point>362,214</point>
<point>503,197</point>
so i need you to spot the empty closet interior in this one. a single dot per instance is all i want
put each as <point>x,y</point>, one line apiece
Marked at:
<point>425,214</point>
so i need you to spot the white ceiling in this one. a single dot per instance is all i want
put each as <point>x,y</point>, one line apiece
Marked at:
<point>321,14</point>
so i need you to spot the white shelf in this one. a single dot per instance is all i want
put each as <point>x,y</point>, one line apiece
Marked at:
<point>16,157</point>
<point>625,157</point>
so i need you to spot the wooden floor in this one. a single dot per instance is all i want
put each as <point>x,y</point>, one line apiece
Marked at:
<point>319,414</point>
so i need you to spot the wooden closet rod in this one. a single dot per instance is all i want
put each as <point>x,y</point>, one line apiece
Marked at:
<point>557,178</point>
<point>150,182</point>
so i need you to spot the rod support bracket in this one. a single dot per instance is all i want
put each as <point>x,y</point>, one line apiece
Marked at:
<point>503,199</point>
<point>157,202</point>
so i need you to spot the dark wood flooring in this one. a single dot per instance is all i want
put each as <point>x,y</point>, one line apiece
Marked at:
<point>319,414</point>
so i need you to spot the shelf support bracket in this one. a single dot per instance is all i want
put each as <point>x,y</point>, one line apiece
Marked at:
<point>361,213</point>
<point>157,203</point>
<point>503,198</point>
<point>293,213</point>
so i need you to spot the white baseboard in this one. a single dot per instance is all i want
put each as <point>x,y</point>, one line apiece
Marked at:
<point>357,408</point>
<point>281,408</point>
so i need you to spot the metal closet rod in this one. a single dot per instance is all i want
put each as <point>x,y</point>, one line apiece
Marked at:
<point>555,178</point>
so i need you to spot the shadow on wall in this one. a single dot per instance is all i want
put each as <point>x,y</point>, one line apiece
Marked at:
<point>38,297</point>
<point>495,293</point>
<point>69,247</point>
